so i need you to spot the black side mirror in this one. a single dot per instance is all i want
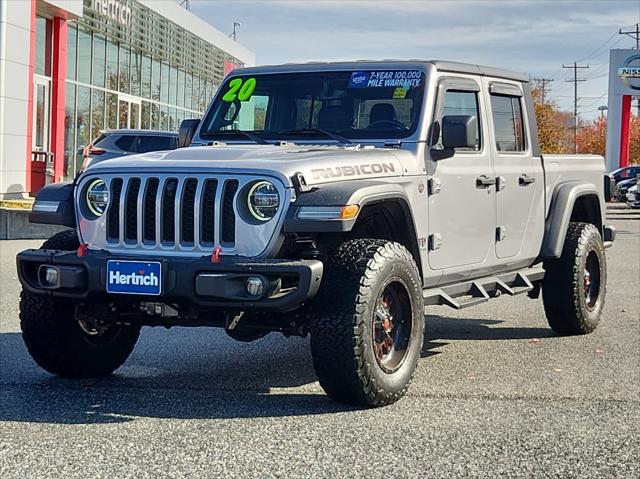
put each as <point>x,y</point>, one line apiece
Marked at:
<point>459,131</point>
<point>187,130</point>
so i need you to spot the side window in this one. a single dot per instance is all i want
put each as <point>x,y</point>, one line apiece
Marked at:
<point>155,143</point>
<point>458,102</point>
<point>508,123</point>
<point>126,142</point>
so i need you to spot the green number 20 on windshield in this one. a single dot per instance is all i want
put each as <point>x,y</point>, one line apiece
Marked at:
<point>240,90</point>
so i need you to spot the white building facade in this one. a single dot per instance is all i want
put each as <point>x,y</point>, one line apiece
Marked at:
<point>71,68</point>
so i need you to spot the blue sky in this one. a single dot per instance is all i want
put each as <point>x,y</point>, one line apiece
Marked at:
<point>534,37</point>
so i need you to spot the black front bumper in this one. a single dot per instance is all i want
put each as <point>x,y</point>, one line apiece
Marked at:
<point>197,281</point>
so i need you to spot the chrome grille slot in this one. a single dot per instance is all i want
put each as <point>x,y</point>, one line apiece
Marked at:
<point>178,213</point>
<point>131,210</point>
<point>228,214</point>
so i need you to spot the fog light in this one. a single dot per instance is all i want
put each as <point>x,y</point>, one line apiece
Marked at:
<point>49,276</point>
<point>254,285</point>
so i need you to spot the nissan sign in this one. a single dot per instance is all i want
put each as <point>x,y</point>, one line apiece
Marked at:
<point>629,72</point>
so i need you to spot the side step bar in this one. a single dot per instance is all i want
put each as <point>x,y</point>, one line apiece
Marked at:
<point>481,290</point>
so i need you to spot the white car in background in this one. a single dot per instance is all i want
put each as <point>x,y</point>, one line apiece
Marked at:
<point>633,197</point>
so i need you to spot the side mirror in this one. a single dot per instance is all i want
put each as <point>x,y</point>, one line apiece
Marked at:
<point>459,131</point>
<point>187,130</point>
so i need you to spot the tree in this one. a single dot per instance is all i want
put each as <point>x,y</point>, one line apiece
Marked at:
<point>553,133</point>
<point>592,138</point>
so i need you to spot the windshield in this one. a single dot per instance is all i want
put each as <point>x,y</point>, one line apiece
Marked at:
<point>332,106</point>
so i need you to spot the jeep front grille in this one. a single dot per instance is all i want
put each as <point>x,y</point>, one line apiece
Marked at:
<point>171,211</point>
<point>179,213</point>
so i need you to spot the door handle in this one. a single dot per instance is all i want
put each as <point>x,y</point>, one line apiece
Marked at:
<point>525,180</point>
<point>484,181</point>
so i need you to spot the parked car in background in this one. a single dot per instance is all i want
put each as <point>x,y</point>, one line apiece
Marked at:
<point>626,173</point>
<point>633,197</point>
<point>115,143</point>
<point>623,186</point>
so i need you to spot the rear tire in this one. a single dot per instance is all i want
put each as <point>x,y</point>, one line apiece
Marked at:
<point>574,286</point>
<point>368,323</point>
<point>63,345</point>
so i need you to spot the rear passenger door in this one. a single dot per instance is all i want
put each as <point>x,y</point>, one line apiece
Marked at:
<point>461,192</point>
<point>519,176</point>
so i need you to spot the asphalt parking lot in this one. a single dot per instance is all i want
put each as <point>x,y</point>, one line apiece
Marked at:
<point>496,393</point>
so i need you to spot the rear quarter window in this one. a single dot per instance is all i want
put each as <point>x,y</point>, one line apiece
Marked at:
<point>156,143</point>
<point>126,142</point>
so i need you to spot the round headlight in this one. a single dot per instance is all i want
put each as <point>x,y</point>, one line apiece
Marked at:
<point>97,197</point>
<point>263,200</point>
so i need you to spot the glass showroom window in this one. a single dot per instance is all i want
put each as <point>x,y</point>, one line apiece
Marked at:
<point>69,130</point>
<point>84,56</point>
<point>72,38</point>
<point>136,71</point>
<point>43,46</point>
<point>83,115</point>
<point>124,69</point>
<point>98,62</point>
<point>112,65</point>
<point>112,110</point>
<point>97,113</point>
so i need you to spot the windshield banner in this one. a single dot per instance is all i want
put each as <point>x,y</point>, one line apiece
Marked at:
<point>385,79</point>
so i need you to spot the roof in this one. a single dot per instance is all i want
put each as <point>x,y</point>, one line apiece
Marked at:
<point>126,131</point>
<point>440,65</point>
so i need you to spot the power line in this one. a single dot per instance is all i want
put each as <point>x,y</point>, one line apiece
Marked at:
<point>575,67</point>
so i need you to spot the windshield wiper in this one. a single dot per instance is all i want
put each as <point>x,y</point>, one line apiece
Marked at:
<point>248,134</point>
<point>328,133</point>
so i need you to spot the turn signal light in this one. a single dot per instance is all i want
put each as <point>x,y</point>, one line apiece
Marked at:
<point>349,212</point>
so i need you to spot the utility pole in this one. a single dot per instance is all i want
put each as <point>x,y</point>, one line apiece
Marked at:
<point>575,67</point>
<point>542,84</point>
<point>635,34</point>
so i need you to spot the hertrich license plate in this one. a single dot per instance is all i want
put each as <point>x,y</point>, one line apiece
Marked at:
<point>134,277</point>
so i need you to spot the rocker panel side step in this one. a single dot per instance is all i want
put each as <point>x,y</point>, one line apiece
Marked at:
<point>481,290</point>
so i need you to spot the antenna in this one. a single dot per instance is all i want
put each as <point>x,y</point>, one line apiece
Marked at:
<point>185,4</point>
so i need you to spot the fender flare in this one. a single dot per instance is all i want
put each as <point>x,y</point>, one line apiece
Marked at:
<point>54,205</point>
<point>563,201</point>
<point>345,193</point>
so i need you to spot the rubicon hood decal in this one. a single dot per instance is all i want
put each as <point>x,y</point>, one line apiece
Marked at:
<point>353,170</point>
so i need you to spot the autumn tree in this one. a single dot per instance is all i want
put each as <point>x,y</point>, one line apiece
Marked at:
<point>552,125</point>
<point>592,138</point>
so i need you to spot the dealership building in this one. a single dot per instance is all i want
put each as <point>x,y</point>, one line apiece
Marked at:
<point>71,68</point>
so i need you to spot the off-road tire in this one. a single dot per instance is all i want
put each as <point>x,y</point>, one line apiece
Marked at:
<point>341,333</point>
<point>568,310</point>
<point>56,341</point>
<point>66,240</point>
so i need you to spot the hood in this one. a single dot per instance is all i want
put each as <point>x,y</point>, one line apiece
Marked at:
<point>318,164</point>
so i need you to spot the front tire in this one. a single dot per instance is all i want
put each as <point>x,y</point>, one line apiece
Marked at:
<point>574,286</point>
<point>65,344</point>
<point>368,325</point>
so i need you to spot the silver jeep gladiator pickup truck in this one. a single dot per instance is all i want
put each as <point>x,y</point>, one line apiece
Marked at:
<point>332,199</point>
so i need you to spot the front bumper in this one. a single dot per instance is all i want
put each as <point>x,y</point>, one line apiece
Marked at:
<point>197,281</point>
